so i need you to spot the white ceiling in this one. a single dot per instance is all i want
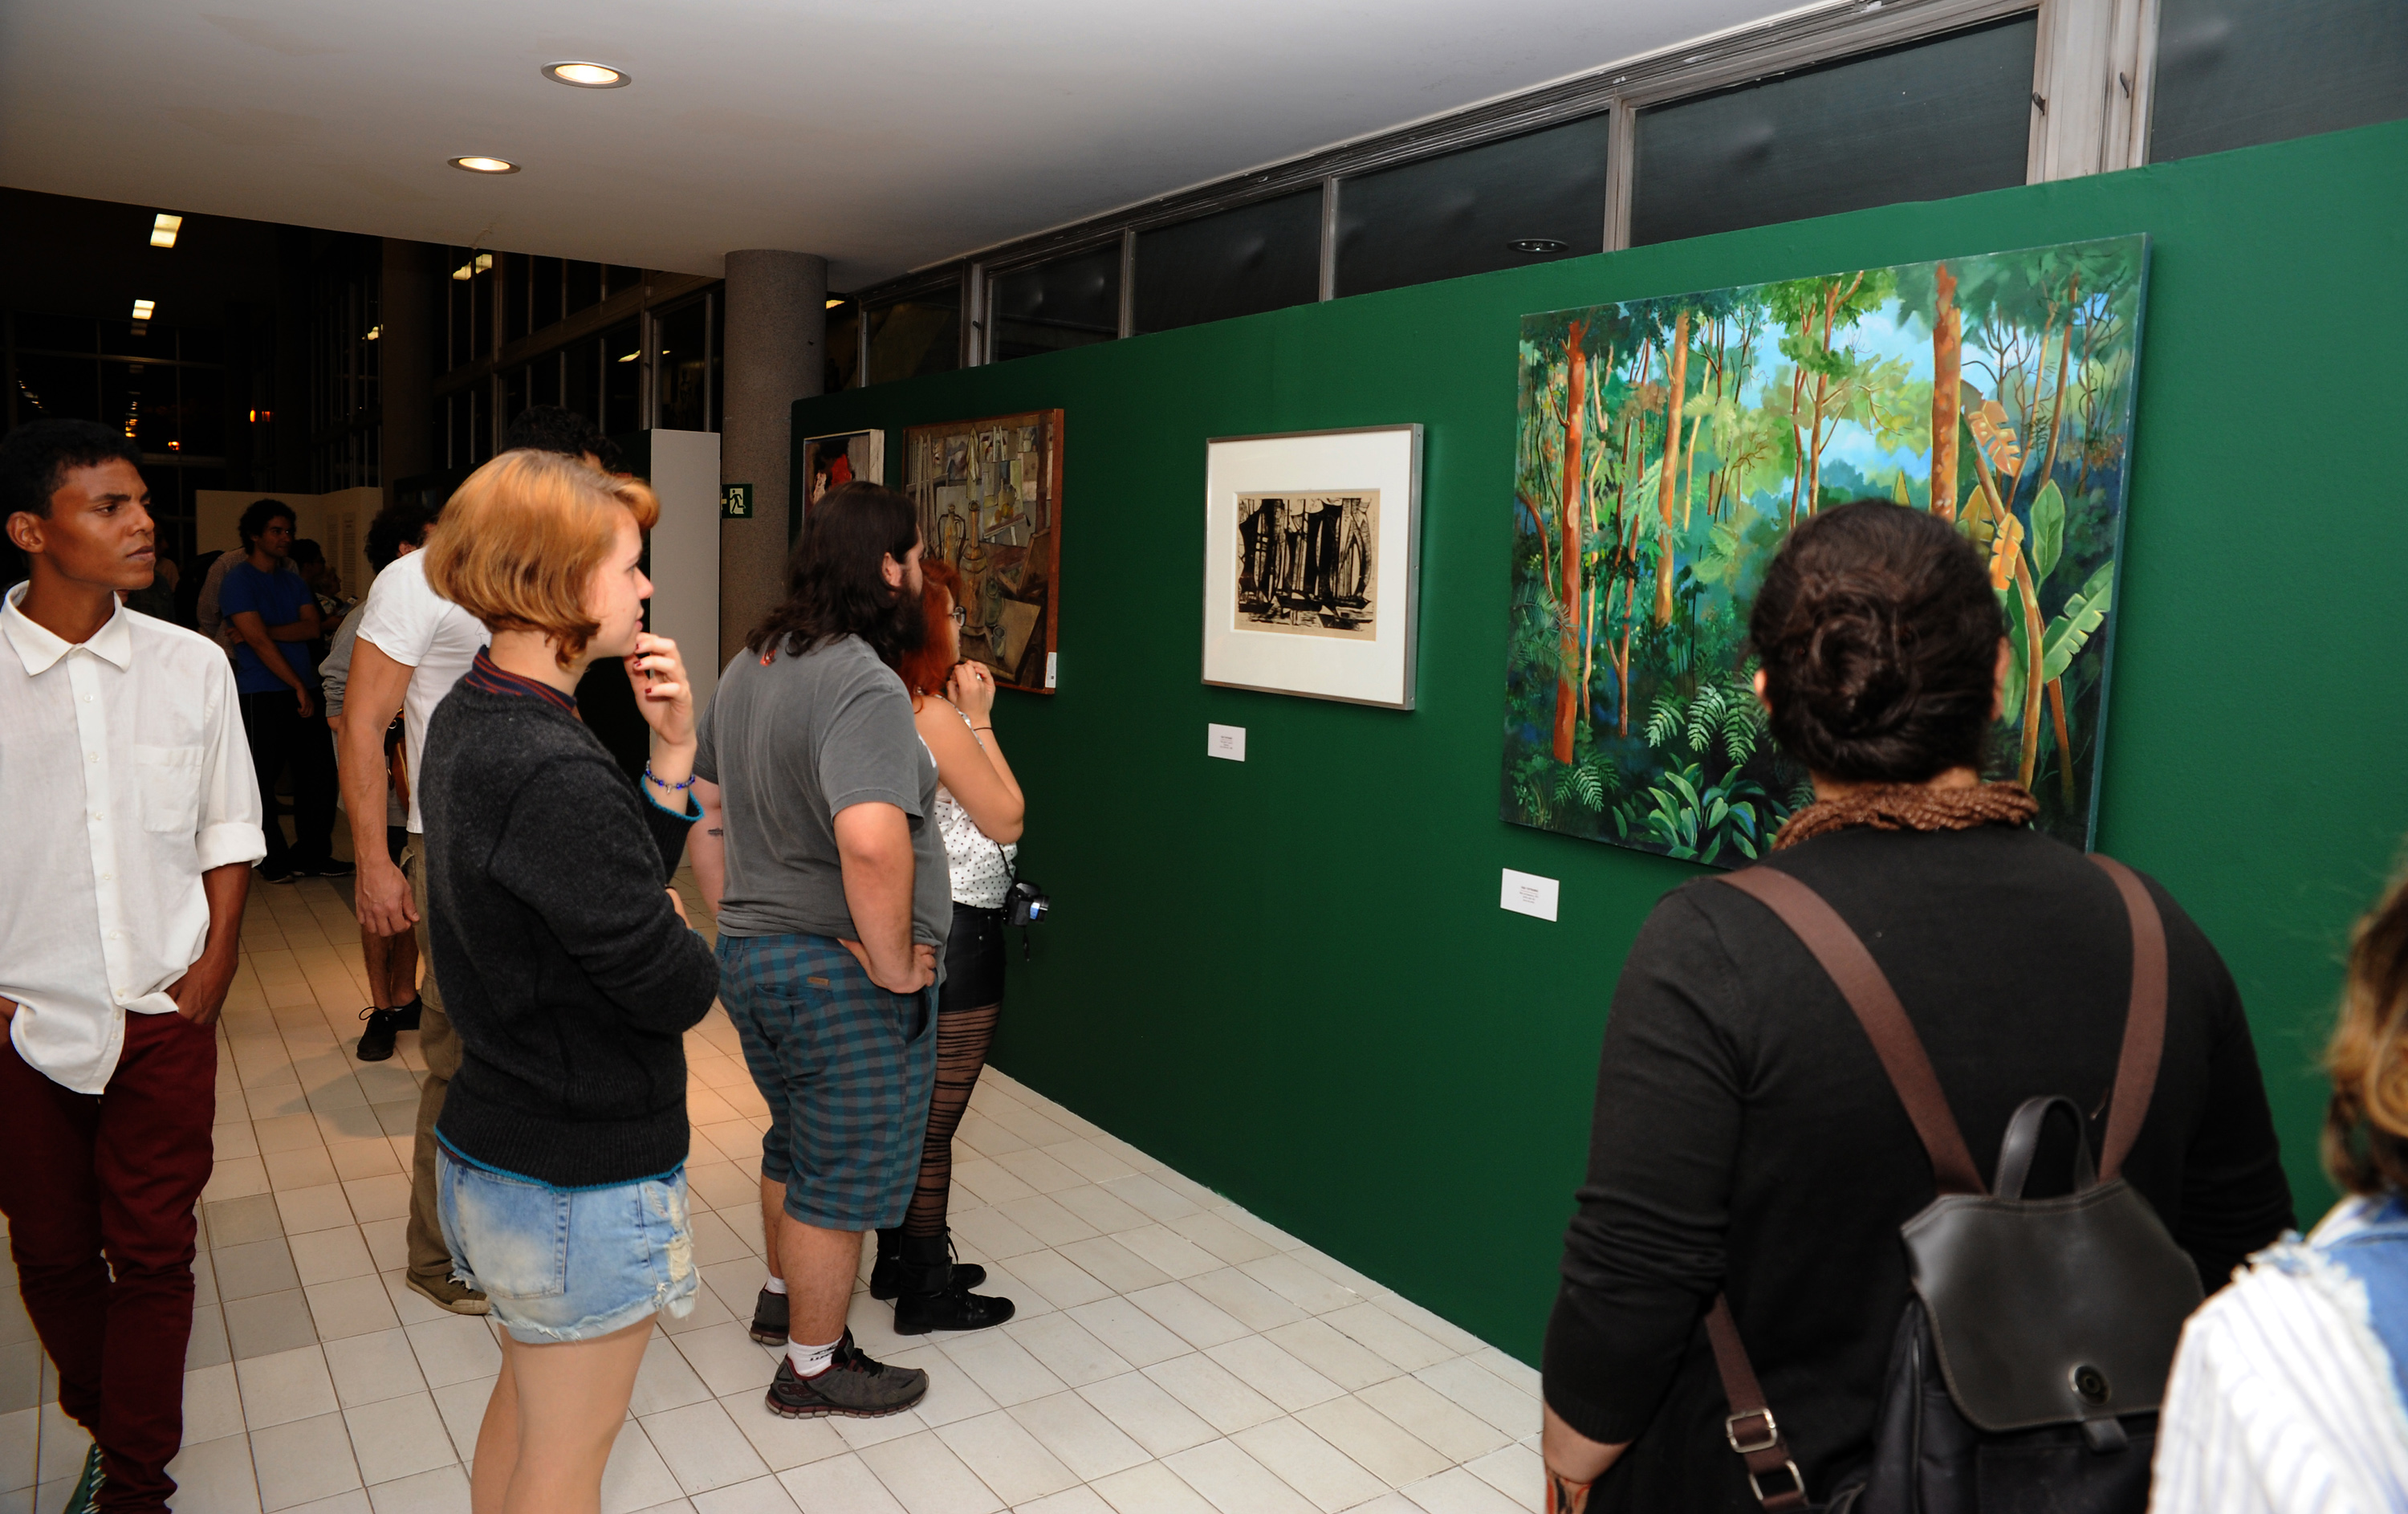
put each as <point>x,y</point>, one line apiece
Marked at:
<point>884,135</point>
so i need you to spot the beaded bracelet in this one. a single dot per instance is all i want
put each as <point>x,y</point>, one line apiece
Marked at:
<point>673,788</point>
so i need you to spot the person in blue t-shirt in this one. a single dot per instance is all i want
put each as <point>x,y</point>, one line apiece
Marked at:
<point>274,611</point>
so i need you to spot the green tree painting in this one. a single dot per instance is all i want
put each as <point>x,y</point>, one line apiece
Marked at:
<point>1667,447</point>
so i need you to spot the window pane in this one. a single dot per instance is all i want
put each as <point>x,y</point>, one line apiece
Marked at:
<point>1920,123</point>
<point>481,317</point>
<point>200,345</point>
<point>544,291</point>
<point>1069,302</point>
<point>457,296</point>
<point>56,333</point>
<point>615,277</point>
<point>2233,73</point>
<point>680,368</point>
<point>543,381</point>
<point>57,388</point>
<point>516,305</point>
<point>582,377</point>
<point>623,381</point>
<point>843,346</point>
<point>1462,213</point>
<point>481,421</point>
<point>139,398</point>
<point>1257,257</point>
<point>911,337</point>
<point>584,282</point>
<point>200,404</point>
<point>514,396</point>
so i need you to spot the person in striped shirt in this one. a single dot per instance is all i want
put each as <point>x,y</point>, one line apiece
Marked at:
<point>2290,1392</point>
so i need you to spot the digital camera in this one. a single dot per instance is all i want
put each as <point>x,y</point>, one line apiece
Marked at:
<point>1025,904</point>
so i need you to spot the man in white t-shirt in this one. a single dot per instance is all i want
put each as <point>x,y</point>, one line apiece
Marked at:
<point>413,645</point>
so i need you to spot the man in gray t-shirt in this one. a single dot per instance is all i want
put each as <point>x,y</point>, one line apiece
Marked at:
<point>820,853</point>
<point>792,742</point>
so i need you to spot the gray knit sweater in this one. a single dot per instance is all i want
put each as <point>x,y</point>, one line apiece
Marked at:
<point>568,976</point>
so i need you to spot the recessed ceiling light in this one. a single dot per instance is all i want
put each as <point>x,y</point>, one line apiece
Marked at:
<point>374,333</point>
<point>585,75</point>
<point>485,165</point>
<point>142,309</point>
<point>1540,246</point>
<point>164,228</point>
<point>474,266</point>
<point>835,300</point>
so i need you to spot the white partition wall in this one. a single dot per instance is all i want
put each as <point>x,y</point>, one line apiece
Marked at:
<point>685,551</point>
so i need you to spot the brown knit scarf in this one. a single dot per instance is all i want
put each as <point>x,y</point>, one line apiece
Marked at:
<point>1912,807</point>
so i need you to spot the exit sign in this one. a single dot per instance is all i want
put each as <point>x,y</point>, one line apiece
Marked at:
<point>736,501</point>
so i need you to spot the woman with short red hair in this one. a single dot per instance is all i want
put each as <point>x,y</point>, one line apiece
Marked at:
<point>571,973</point>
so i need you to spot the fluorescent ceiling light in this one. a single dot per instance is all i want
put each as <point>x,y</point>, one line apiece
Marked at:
<point>835,300</point>
<point>484,165</point>
<point>374,332</point>
<point>164,228</point>
<point>142,309</point>
<point>630,357</point>
<point>585,75</point>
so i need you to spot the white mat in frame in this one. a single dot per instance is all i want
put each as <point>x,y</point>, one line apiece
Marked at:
<point>1274,625</point>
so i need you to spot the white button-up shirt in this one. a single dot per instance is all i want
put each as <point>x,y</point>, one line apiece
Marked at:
<point>123,777</point>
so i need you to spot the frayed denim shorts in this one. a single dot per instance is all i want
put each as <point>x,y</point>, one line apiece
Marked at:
<point>567,1264</point>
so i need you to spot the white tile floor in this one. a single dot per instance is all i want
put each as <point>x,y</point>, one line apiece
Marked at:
<point>1172,1353</point>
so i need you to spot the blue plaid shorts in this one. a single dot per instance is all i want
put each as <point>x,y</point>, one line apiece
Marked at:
<point>846,1069</point>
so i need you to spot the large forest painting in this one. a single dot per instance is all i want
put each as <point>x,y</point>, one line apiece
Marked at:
<point>1667,447</point>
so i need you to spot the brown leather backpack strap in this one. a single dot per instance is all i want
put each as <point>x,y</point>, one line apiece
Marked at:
<point>1868,994</point>
<point>1751,1428</point>
<point>2145,1020</point>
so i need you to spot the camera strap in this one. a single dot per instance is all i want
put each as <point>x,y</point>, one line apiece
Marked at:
<point>1013,874</point>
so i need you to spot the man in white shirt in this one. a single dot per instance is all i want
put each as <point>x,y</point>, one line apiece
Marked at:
<point>413,645</point>
<point>133,819</point>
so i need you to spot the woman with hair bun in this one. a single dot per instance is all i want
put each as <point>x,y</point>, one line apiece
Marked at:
<point>1746,1141</point>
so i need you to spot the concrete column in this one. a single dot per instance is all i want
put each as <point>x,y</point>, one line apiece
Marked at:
<point>406,361</point>
<point>776,335</point>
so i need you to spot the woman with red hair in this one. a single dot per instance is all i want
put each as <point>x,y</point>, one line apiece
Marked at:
<point>978,812</point>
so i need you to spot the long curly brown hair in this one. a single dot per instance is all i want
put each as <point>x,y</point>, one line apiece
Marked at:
<point>2365,1125</point>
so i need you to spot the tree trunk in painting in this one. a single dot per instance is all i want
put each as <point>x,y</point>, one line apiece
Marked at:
<point>2064,742</point>
<point>1947,337</point>
<point>1568,505</point>
<point>1677,375</point>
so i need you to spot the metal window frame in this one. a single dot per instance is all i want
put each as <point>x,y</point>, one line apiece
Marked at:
<point>2092,72</point>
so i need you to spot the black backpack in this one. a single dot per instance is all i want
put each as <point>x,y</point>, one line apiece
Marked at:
<point>2028,1367</point>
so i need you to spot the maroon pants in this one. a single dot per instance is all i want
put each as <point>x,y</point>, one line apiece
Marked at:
<point>99,1191</point>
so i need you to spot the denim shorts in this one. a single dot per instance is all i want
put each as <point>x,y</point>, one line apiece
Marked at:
<point>567,1265</point>
<point>846,1068</point>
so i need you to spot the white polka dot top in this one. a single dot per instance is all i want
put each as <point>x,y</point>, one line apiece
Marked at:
<point>980,877</point>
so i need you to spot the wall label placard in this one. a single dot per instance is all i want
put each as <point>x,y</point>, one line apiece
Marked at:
<point>736,501</point>
<point>1226,741</point>
<point>1527,893</point>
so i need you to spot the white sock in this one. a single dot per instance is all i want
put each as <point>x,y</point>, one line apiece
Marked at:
<point>775,1284</point>
<point>811,1361</point>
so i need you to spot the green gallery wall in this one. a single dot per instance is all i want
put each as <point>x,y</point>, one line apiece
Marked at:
<point>1290,978</point>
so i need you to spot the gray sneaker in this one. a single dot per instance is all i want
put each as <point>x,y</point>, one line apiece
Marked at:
<point>852,1386</point>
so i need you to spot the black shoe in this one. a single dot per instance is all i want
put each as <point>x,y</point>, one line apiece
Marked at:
<point>375,1042</point>
<point>956,1309</point>
<point>770,1318</point>
<point>888,1277</point>
<point>275,873</point>
<point>331,868</point>
<point>852,1386</point>
<point>406,1017</point>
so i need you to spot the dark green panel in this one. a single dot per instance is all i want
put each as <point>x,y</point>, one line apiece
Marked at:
<point>1289,977</point>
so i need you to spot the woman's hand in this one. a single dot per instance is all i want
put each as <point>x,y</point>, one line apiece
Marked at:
<point>657,674</point>
<point>972,691</point>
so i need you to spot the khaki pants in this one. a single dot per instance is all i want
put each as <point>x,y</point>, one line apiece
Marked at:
<point>430,1260</point>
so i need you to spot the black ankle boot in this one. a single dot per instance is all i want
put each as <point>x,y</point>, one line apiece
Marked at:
<point>887,1277</point>
<point>921,1308</point>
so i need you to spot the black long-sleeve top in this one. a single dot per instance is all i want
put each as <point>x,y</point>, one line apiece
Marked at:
<point>565,970</point>
<point>1746,1139</point>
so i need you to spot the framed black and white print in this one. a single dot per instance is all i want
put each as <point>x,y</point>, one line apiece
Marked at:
<point>1312,562</point>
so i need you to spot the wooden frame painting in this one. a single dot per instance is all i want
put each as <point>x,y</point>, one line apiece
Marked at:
<point>1311,548</point>
<point>989,494</point>
<point>1665,449</point>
